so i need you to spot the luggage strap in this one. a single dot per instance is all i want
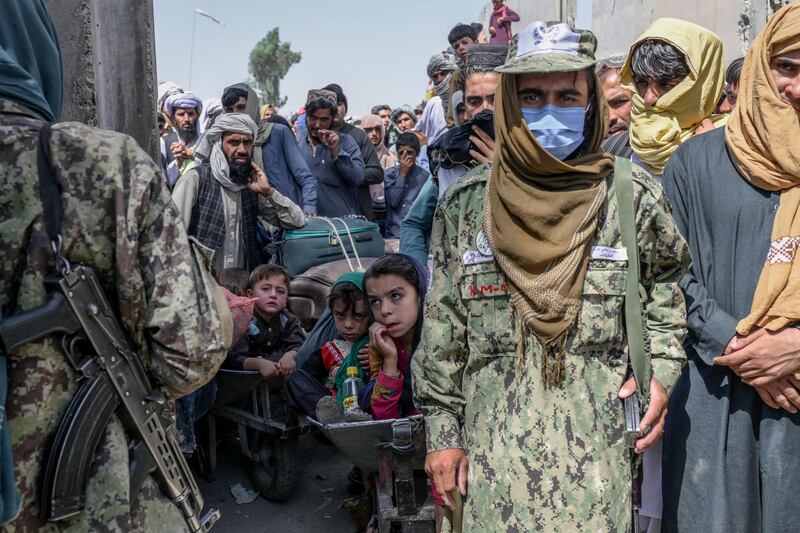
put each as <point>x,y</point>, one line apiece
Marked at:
<point>330,222</point>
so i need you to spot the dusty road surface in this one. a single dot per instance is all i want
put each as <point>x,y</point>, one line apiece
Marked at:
<point>314,507</point>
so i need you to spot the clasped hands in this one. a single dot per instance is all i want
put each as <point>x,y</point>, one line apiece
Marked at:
<point>767,361</point>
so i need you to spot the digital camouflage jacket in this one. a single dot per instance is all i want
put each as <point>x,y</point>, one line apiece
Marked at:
<point>542,459</point>
<point>118,218</point>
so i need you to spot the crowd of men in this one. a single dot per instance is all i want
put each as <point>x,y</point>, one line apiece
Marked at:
<point>545,188</point>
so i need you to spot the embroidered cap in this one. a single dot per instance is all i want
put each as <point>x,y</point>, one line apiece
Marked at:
<point>321,94</point>
<point>550,47</point>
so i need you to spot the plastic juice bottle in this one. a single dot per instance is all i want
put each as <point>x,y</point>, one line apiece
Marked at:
<point>351,386</point>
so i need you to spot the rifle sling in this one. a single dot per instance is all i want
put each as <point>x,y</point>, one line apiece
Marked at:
<point>638,352</point>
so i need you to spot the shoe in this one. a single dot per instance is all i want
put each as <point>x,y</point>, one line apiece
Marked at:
<point>357,415</point>
<point>329,411</point>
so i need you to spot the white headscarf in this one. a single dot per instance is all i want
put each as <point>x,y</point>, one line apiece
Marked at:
<point>433,122</point>
<point>182,100</point>
<point>165,90</point>
<point>212,108</point>
<point>210,145</point>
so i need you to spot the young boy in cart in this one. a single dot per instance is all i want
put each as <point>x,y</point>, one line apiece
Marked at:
<point>275,333</point>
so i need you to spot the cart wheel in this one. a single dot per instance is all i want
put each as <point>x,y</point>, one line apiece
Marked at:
<point>277,471</point>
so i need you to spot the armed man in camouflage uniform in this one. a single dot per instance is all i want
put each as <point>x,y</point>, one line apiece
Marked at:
<point>524,351</point>
<point>118,218</point>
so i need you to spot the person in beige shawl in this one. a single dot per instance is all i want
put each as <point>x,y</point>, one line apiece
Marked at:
<point>732,443</point>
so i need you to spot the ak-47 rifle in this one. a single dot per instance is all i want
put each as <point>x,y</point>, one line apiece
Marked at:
<point>112,378</point>
<point>113,381</point>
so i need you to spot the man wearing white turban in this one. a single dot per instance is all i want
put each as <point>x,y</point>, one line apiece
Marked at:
<point>177,157</point>
<point>222,198</point>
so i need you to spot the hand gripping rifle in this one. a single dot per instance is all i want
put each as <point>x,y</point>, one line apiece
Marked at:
<point>113,380</point>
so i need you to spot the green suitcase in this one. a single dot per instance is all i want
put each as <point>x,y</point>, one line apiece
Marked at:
<point>317,243</point>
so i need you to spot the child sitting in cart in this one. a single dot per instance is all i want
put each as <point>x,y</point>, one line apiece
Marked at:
<point>315,387</point>
<point>395,286</point>
<point>275,333</point>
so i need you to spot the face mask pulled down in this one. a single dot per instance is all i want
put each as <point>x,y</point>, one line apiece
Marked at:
<point>559,130</point>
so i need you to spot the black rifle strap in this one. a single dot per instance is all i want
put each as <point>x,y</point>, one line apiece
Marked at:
<point>49,188</point>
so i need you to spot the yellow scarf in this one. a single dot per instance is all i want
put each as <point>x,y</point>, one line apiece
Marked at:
<point>763,138</point>
<point>657,131</point>
<point>540,219</point>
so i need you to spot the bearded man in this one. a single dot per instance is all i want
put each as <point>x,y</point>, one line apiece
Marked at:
<point>732,446</point>
<point>373,172</point>
<point>183,110</point>
<point>221,199</point>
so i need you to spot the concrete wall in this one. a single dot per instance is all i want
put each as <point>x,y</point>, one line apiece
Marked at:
<point>108,53</point>
<point>617,23</point>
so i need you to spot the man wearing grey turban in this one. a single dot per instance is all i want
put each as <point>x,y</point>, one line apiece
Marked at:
<point>221,199</point>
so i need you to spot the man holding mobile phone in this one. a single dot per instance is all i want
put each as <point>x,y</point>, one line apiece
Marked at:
<point>333,157</point>
<point>220,200</point>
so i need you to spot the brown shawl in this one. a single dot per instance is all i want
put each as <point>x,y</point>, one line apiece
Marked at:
<point>763,137</point>
<point>540,219</point>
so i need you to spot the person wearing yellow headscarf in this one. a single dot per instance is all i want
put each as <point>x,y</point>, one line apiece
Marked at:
<point>524,352</point>
<point>732,442</point>
<point>676,70</point>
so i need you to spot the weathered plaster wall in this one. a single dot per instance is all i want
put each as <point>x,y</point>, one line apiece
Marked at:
<point>108,52</point>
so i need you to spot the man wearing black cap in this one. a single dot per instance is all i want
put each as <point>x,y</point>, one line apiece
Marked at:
<point>479,82</point>
<point>373,172</point>
<point>333,157</point>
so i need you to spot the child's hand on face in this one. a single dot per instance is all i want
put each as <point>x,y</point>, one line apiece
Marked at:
<point>381,343</point>
<point>384,348</point>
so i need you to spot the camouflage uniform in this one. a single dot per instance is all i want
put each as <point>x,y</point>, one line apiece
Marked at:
<point>541,459</point>
<point>118,217</point>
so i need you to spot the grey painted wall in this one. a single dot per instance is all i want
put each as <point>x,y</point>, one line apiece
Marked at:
<point>108,52</point>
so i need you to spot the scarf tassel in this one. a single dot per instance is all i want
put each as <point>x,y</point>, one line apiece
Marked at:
<point>553,354</point>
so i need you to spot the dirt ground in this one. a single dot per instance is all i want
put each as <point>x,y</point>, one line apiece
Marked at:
<point>314,507</point>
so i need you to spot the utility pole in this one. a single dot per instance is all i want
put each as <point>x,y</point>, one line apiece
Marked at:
<point>568,10</point>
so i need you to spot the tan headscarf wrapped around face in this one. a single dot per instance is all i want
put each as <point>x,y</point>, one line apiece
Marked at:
<point>763,137</point>
<point>540,219</point>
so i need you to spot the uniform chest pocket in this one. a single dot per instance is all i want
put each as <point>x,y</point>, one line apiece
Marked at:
<point>602,314</point>
<point>486,295</point>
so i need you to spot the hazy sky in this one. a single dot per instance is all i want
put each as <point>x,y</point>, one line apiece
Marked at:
<point>377,50</point>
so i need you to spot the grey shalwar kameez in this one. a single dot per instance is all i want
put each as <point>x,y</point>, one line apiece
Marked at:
<point>731,463</point>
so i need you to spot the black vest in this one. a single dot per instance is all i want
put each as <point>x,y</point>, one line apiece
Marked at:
<point>208,218</point>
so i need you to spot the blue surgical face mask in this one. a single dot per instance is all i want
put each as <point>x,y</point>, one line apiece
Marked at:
<point>559,130</point>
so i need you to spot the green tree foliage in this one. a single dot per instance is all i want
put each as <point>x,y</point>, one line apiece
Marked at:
<point>270,60</point>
